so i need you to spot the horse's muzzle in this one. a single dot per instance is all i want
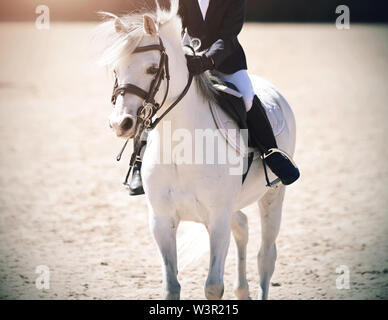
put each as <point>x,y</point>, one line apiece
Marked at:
<point>124,126</point>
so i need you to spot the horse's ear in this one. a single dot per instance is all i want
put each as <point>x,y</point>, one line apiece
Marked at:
<point>150,26</point>
<point>119,26</point>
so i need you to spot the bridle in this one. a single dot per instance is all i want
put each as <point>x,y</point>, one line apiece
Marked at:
<point>149,107</point>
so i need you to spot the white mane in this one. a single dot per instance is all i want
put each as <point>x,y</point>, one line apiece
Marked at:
<point>115,46</point>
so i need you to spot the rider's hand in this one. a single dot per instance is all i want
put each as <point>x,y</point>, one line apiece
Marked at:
<point>199,64</point>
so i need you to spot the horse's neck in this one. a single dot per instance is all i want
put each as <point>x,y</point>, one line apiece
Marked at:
<point>191,113</point>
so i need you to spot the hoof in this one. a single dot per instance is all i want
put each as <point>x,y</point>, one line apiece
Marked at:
<point>173,292</point>
<point>242,292</point>
<point>214,292</point>
<point>172,296</point>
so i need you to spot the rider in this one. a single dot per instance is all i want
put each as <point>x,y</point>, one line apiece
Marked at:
<point>217,24</point>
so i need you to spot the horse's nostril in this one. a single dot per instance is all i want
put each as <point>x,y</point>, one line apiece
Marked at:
<point>126,124</point>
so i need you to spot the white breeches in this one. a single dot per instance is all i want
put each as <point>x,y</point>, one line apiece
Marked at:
<point>243,83</point>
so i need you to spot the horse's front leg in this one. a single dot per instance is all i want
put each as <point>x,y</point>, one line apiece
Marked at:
<point>164,230</point>
<point>219,234</point>
<point>240,233</point>
<point>271,211</point>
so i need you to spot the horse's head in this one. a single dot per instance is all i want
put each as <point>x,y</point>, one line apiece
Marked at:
<point>135,75</point>
<point>134,48</point>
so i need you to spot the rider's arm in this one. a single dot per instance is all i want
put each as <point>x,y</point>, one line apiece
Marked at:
<point>233,22</point>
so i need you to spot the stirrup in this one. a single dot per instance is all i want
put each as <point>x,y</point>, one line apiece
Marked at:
<point>273,183</point>
<point>277,181</point>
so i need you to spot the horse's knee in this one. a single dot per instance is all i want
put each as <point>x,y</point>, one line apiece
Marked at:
<point>267,254</point>
<point>214,291</point>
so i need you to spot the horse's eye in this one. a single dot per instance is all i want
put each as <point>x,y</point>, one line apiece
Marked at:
<point>152,70</point>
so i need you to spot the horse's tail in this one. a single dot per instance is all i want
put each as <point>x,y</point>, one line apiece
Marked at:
<point>192,243</point>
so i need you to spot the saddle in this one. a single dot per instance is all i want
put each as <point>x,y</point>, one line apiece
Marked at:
<point>230,115</point>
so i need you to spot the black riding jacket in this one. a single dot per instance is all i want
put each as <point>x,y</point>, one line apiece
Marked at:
<point>218,32</point>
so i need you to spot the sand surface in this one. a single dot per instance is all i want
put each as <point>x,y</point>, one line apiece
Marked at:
<point>61,200</point>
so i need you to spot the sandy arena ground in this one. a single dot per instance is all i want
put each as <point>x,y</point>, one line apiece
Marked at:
<point>61,200</point>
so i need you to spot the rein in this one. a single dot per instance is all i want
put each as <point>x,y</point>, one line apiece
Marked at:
<point>149,107</point>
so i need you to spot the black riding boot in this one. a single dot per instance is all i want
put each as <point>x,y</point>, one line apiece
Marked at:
<point>262,136</point>
<point>136,184</point>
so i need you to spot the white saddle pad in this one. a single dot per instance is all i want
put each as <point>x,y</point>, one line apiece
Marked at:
<point>225,123</point>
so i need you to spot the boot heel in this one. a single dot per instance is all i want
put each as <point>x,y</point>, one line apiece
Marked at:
<point>136,185</point>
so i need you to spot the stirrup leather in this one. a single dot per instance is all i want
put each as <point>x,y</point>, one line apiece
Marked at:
<point>271,151</point>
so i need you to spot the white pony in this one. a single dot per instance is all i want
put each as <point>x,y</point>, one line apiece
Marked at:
<point>177,191</point>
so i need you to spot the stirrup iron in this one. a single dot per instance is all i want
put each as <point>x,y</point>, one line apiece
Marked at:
<point>277,181</point>
<point>285,154</point>
<point>274,183</point>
